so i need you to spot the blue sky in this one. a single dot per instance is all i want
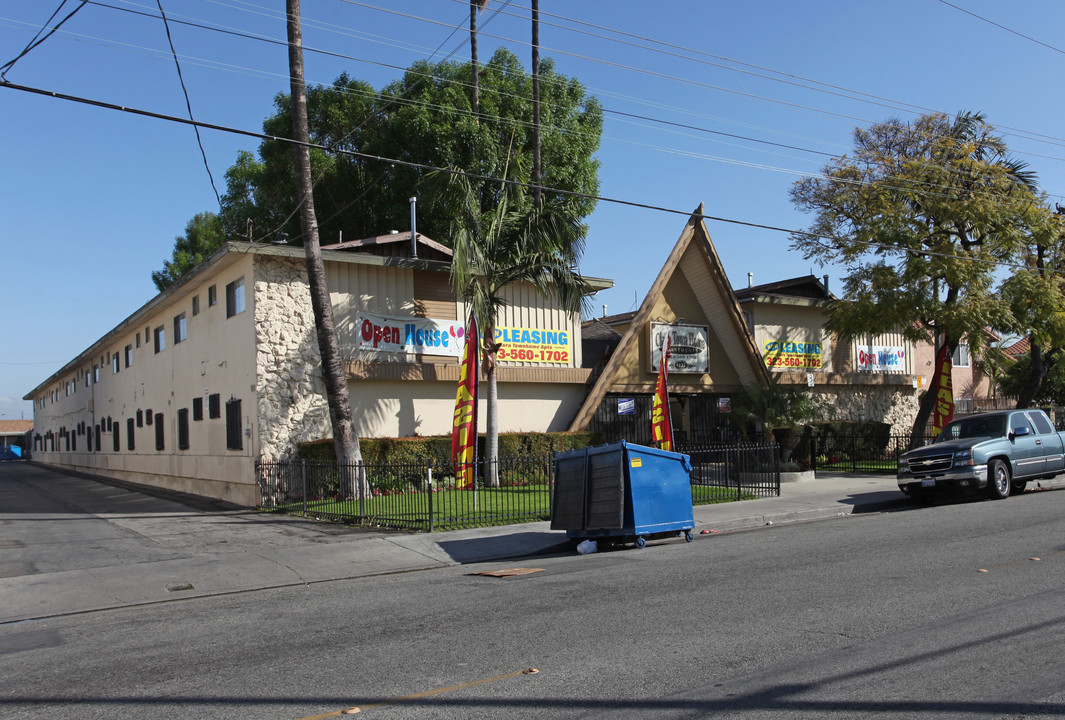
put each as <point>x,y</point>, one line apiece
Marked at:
<point>92,198</point>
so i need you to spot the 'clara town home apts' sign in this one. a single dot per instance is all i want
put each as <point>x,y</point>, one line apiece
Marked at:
<point>688,352</point>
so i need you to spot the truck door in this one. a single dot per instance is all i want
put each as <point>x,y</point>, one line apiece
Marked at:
<point>1028,457</point>
<point>1050,442</point>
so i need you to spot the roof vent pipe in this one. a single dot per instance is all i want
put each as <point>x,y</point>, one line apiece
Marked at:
<point>414,227</point>
<point>750,280</point>
<point>826,285</point>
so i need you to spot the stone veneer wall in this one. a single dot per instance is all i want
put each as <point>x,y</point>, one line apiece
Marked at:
<point>290,389</point>
<point>894,405</point>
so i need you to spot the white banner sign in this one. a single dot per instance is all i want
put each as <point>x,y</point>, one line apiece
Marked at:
<point>880,358</point>
<point>415,336</point>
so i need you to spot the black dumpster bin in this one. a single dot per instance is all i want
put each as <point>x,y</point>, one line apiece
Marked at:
<point>623,492</point>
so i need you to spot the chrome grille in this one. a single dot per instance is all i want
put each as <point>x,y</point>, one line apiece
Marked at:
<point>930,463</point>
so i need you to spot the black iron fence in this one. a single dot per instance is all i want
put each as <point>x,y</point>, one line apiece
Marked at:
<point>852,453</point>
<point>428,496</point>
<point>733,472</point>
<point>416,496</point>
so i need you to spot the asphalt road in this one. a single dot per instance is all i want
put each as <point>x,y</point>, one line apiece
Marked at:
<point>948,611</point>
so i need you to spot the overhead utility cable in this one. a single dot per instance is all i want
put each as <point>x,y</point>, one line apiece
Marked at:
<point>188,103</point>
<point>476,176</point>
<point>37,39</point>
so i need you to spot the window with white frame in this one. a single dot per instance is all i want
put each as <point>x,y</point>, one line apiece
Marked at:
<point>961,355</point>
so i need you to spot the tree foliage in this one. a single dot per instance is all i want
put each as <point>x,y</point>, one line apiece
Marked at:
<point>203,235</point>
<point>516,242</point>
<point>425,118</point>
<point>919,216</point>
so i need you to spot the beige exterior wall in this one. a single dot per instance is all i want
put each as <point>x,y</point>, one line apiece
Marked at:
<point>162,383</point>
<point>267,357</point>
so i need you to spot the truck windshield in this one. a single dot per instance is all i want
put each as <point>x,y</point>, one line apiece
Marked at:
<point>994,426</point>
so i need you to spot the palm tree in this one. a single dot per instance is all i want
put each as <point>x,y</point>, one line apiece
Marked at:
<point>516,242</point>
<point>536,169</point>
<point>345,439</point>
<point>777,408</point>
<point>475,7</point>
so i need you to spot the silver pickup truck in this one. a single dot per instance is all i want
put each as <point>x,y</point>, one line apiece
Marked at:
<point>998,452</point>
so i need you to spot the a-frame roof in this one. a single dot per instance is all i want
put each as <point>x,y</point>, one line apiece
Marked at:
<point>695,258</point>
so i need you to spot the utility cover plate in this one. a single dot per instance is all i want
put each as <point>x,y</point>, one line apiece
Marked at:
<point>508,572</point>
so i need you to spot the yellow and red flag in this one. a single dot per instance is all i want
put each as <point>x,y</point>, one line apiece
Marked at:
<point>944,404</point>
<point>661,422</point>
<point>464,430</point>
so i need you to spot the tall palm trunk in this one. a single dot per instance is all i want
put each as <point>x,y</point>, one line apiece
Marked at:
<point>345,440</point>
<point>536,170</point>
<point>475,7</point>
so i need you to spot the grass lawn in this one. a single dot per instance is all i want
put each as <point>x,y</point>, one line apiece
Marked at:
<point>454,509</point>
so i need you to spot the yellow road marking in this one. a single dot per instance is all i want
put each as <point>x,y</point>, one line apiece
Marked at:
<point>418,696</point>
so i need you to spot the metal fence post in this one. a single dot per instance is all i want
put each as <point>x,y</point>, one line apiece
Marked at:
<point>429,484</point>
<point>304,463</point>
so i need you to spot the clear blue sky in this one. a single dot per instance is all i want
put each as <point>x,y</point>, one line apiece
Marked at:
<point>92,199</point>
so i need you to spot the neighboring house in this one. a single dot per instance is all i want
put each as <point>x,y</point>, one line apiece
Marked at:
<point>971,387</point>
<point>13,437</point>
<point>724,340</point>
<point>222,369</point>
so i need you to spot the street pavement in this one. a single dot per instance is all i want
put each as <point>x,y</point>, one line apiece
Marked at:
<point>73,544</point>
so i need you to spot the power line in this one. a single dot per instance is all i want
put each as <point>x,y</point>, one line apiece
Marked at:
<point>34,42</point>
<point>188,103</point>
<point>478,176</point>
<point>1003,27</point>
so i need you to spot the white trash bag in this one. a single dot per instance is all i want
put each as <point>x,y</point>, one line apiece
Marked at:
<point>587,547</point>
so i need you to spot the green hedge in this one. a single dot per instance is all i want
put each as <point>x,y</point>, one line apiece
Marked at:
<point>388,451</point>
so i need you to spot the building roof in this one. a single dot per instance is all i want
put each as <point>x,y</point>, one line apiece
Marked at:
<point>807,287</point>
<point>700,266</point>
<point>395,244</point>
<point>1021,347</point>
<point>15,427</point>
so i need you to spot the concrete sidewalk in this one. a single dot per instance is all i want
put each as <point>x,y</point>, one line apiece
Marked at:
<point>76,545</point>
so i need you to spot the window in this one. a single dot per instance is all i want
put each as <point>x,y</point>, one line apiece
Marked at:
<point>1019,421</point>
<point>1042,425</point>
<point>116,442</point>
<point>159,440</point>
<point>235,298</point>
<point>96,373</point>
<point>160,339</point>
<point>180,329</point>
<point>138,339</point>
<point>97,436</point>
<point>183,429</point>
<point>212,296</point>
<point>114,364</point>
<point>961,355</point>
<point>140,418</point>
<point>214,406</point>
<point>129,434</point>
<point>234,434</point>
<point>129,355</point>
<point>195,305</point>
<point>197,409</point>
<point>148,416</point>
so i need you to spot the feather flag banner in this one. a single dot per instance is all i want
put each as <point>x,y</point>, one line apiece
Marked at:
<point>464,429</point>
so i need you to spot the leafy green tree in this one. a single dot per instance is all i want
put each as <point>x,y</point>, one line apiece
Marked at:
<point>203,235</point>
<point>919,215</point>
<point>513,243</point>
<point>780,410</point>
<point>425,118</point>
<point>1051,390</point>
<point>1035,293</point>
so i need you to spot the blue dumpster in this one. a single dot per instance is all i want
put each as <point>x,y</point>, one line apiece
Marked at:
<point>622,492</point>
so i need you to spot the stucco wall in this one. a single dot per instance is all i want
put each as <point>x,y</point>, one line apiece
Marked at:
<point>894,405</point>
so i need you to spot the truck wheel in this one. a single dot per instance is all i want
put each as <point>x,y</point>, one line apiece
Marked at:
<point>998,480</point>
<point>1018,486</point>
